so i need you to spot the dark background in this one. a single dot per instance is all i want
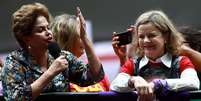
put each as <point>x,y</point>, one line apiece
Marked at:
<point>106,15</point>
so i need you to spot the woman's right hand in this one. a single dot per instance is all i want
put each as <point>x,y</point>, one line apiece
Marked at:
<point>120,51</point>
<point>59,65</point>
<point>143,88</point>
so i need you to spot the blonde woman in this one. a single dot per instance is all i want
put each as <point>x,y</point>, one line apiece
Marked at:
<point>157,69</point>
<point>66,33</point>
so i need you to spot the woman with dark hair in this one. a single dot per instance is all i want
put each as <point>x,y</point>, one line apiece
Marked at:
<point>32,70</point>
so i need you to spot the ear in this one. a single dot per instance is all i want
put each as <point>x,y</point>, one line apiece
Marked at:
<point>166,38</point>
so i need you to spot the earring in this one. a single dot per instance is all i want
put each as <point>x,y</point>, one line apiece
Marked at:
<point>29,47</point>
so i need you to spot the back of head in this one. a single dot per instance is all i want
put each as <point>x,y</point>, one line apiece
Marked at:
<point>24,19</point>
<point>65,30</point>
<point>192,36</point>
<point>164,24</point>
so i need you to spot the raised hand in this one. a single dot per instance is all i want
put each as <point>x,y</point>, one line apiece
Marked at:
<point>82,22</point>
<point>120,51</point>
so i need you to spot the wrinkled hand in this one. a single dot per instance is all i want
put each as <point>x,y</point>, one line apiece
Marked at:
<point>120,51</point>
<point>143,88</point>
<point>59,65</point>
<point>82,23</point>
<point>131,47</point>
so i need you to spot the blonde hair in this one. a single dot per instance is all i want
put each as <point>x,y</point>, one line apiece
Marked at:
<point>168,30</point>
<point>24,19</point>
<point>64,29</point>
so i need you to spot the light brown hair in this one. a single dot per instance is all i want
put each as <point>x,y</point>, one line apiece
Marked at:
<point>64,29</point>
<point>24,19</point>
<point>174,39</point>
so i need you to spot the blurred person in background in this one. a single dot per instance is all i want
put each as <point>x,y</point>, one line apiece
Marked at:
<point>66,32</point>
<point>32,70</point>
<point>157,68</point>
<point>192,46</point>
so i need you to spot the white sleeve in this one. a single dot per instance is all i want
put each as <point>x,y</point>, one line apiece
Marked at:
<point>120,83</point>
<point>188,81</point>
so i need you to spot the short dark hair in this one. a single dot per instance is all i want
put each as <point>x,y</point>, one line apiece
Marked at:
<point>192,36</point>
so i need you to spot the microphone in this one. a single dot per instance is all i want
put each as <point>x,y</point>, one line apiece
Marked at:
<point>54,49</point>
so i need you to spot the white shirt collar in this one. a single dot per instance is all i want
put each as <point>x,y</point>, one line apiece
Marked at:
<point>166,59</point>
